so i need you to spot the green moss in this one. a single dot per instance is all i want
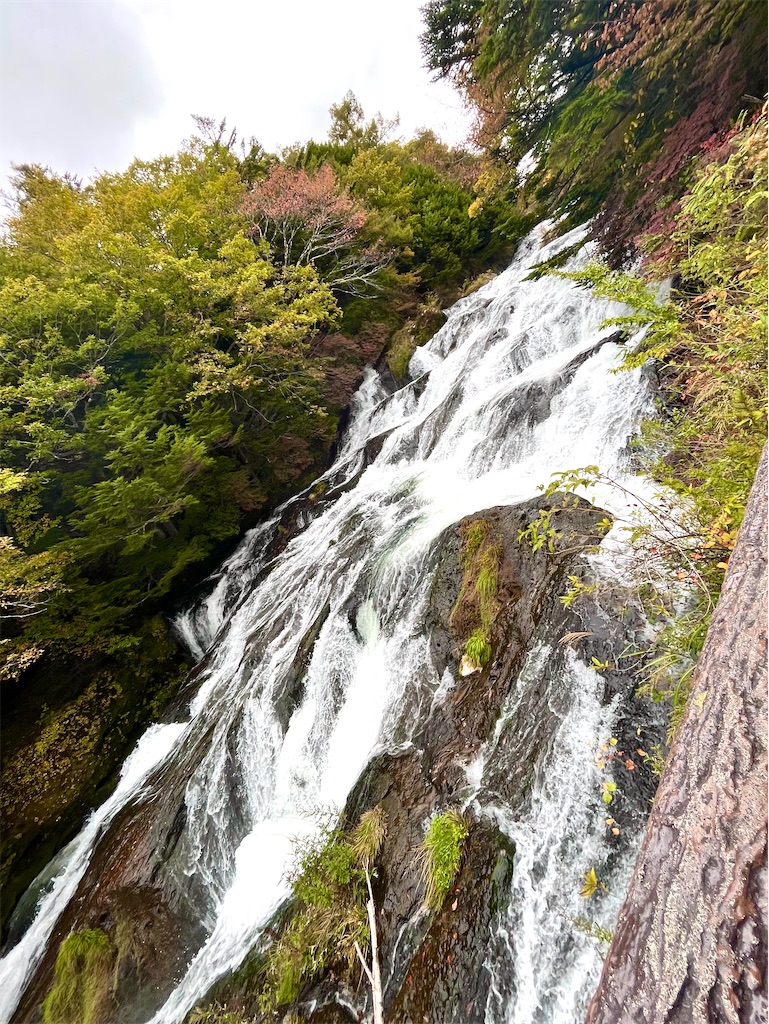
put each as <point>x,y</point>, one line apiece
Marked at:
<point>487,583</point>
<point>401,349</point>
<point>82,987</point>
<point>441,855</point>
<point>477,607</point>
<point>58,767</point>
<point>474,537</point>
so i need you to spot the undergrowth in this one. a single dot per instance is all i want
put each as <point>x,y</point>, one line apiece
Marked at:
<point>709,342</point>
<point>329,883</point>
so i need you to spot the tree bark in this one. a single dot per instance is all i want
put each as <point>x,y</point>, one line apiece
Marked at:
<point>690,942</point>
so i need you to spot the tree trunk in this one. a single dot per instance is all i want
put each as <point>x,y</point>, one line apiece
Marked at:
<point>690,942</point>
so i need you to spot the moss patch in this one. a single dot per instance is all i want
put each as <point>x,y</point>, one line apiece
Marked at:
<point>82,987</point>
<point>477,605</point>
<point>63,762</point>
<point>415,332</point>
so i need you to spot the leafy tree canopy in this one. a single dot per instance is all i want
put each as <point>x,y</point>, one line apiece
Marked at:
<point>612,98</point>
<point>152,357</point>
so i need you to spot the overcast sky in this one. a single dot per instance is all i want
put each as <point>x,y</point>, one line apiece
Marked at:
<point>88,84</point>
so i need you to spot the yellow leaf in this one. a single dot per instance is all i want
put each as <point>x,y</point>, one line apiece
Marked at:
<point>590,884</point>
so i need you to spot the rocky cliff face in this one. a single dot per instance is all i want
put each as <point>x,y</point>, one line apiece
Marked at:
<point>434,963</point>
<point>690,943</point>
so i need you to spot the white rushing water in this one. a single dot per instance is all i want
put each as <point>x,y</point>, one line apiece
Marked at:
<point>543,969</point>
<point>499,407</point>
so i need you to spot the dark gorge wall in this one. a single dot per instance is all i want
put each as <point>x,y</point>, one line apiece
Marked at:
<point>69,722</point>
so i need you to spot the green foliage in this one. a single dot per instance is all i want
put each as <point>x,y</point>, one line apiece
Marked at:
<point>349,126</point>
<point>329,883</point>
<point>155,358</point>
<point>608,790</point>
<point>541,532</point>
<point>152,360</point>
<point>441,855</point>
<point>478,648</point>
<point>593,930</point>
<point>577,588</point>
<point>554,263</point>
<point>367,837</point>
<point>82,986</point>
<point>710,338</point>
<point>612,100</point>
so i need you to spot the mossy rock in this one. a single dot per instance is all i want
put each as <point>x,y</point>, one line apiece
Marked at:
<point>82,987</point>
<point>61,760</point>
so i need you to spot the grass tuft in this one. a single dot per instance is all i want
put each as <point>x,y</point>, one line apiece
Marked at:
<point>478,648</point>
<point>441,855</point>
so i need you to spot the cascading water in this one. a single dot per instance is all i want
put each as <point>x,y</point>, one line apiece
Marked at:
<point>318,657</point>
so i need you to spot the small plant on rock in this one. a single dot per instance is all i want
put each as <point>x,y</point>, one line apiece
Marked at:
<point>441,855</point>
<point>334,925</point>
<point>478,649</point>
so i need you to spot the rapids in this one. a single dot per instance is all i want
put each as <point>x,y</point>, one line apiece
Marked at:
<point>316,658</point>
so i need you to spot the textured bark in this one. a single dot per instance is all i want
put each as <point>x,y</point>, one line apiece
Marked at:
<point>690,943</point>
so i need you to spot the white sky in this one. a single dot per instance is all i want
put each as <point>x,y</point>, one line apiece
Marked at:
<point>88,84</point>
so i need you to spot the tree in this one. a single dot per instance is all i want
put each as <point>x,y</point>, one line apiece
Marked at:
<point>308,220</point>
<point>152,358</point>
<point>613,98</point>
<point>690,942</point>
<point>349,127</point>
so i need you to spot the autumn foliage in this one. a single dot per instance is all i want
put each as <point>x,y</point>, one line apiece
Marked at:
<point>612,99</point>
<point>309,220</point>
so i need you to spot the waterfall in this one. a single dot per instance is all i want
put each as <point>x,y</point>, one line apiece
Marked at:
<point>314,658</point>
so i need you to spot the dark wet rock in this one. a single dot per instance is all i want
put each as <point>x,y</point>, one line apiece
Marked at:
<point>64,739</point>
<point>433,963</point>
